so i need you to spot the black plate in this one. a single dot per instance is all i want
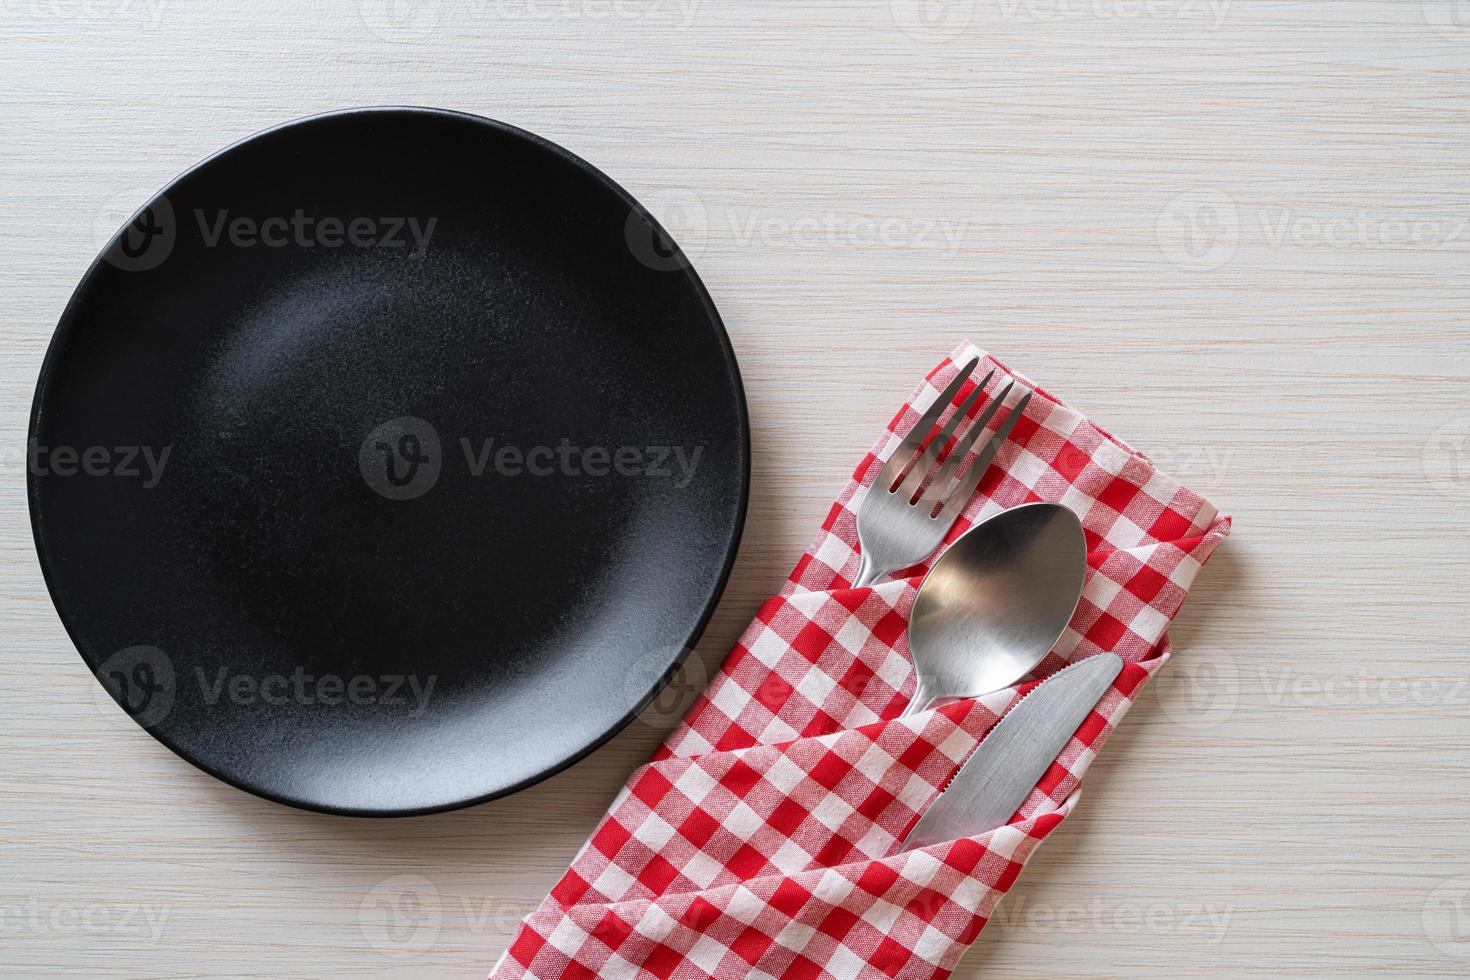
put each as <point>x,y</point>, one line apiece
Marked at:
<point>328,592</point>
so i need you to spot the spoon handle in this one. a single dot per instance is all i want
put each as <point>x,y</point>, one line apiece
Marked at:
<point>921,700</point>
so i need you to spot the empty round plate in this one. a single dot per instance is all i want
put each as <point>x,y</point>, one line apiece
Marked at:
<point>388,461</point>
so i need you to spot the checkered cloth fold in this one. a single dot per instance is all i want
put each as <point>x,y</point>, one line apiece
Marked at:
<point>761,840</point>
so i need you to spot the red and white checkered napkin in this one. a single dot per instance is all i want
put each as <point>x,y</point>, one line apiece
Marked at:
<point>761,839</point>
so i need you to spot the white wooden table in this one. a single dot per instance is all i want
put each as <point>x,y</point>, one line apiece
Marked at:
<point>1234,231</point>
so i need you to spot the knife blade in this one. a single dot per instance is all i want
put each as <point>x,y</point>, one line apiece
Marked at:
<point>1002,771</point>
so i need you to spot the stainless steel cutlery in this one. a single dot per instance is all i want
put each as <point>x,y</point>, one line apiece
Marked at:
<point>906,515</point>
<point>996,602</point>
<point>1002,771</point>
<point>989,609</point>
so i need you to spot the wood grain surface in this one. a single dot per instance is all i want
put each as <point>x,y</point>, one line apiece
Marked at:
<point>1235,232</point>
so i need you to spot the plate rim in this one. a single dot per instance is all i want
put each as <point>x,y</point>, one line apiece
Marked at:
<point>64,333</point>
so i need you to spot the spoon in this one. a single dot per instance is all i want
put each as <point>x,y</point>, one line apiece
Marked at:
<point>995,603</point>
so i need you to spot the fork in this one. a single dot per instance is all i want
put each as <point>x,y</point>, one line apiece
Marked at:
<point>903,519</point>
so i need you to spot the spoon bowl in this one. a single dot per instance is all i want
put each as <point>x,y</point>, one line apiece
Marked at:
<point>996,602</point>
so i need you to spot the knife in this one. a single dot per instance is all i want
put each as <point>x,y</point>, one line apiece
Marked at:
<point>1000,774</point>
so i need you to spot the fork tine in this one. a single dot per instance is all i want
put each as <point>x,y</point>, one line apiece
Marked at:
<point>945,397</point>
<point>940,486</point>
<point>914,479</point>
<point>894,468</point>
<point>961,494</point>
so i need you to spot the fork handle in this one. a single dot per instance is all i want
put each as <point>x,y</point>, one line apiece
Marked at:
<point>867,573</point>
